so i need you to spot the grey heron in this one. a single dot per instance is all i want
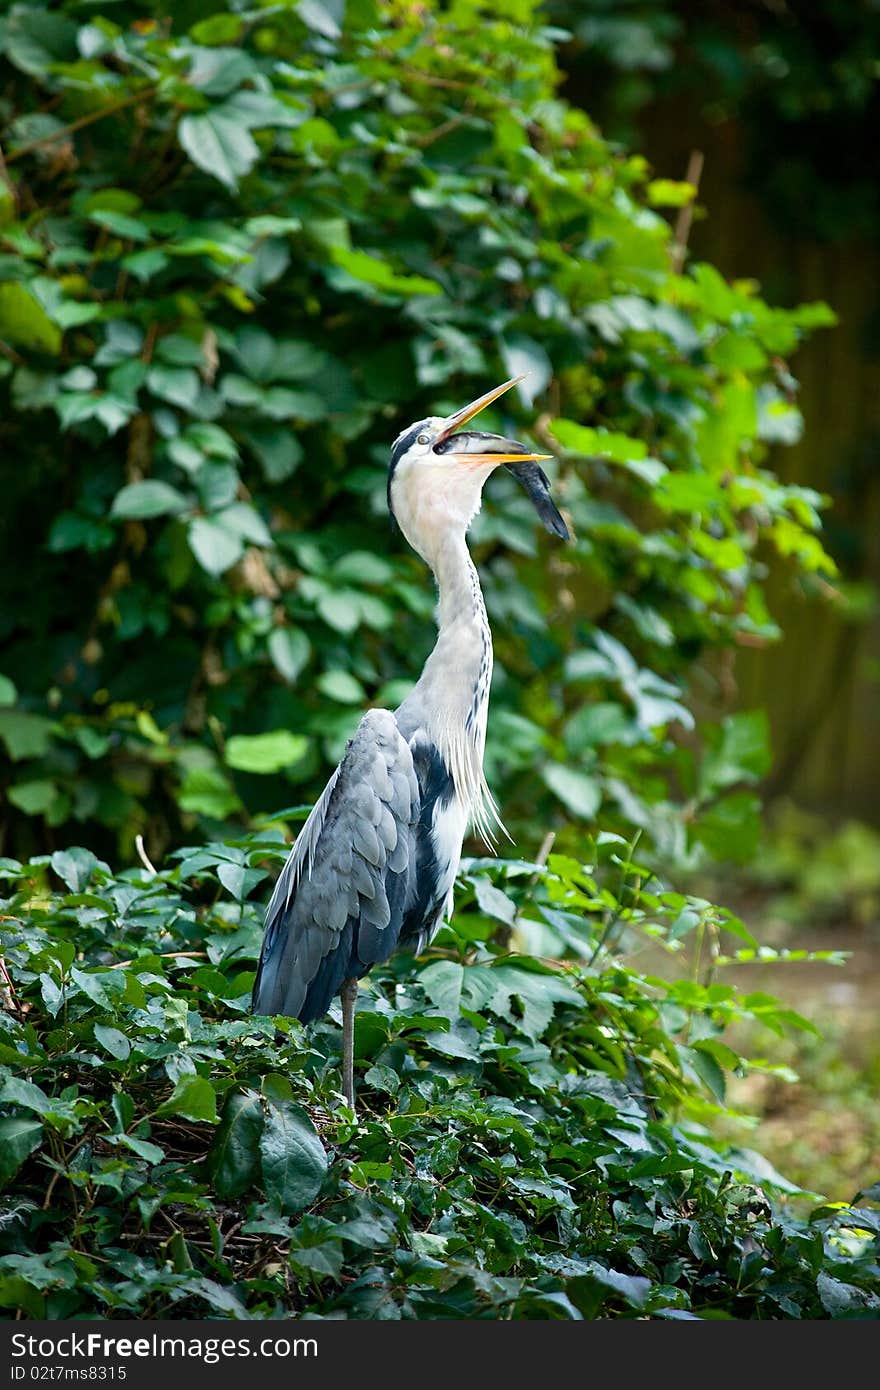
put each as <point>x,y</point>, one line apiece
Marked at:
<point>374,865</point>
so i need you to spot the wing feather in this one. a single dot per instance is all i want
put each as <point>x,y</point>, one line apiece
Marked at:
<point>339,903</point>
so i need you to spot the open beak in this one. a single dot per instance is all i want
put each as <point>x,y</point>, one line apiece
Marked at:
<point>473,446</point>
<point>456,422</point>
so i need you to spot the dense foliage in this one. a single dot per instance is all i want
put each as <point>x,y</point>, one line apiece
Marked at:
<point>530,1143</point>
<point>240,248</point>
<point>243,248</point>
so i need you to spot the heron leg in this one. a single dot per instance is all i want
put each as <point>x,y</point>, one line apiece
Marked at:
<point>348,994</point>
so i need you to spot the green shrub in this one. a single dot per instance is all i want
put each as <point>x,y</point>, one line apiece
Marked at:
<point>531,1139</point>
<point>240,250</point>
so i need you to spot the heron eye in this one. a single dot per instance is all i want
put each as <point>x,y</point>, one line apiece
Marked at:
<point>424,439</point>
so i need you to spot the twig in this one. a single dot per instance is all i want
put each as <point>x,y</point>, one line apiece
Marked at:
<point>686,213</point>
<point>503,936</point>
<point>188,955</point>
<point>7,181</point>
<point>88,119</point>
<point>8,998</point>
<point>144,857</point>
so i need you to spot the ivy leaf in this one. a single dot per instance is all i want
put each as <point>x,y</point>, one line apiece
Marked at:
<point>25,735</point>
<point>149,498</point>
<point>194,1098</point>
<point>114,1041</point>
<point>234,1156</point>
<point>363,268</point>
<point>216,548</point>
<point>443,981</point>
<point>24,322</point>
<point>493,902</point>
<point>76,866</point>
<point>523,356</point>
<point>294,1161</point>
<point>219,144</point>
<point>263,753</point>
<point>341,686</point>
<point>18,1139</point>
<point>577,791</point>
<point>290,650</point>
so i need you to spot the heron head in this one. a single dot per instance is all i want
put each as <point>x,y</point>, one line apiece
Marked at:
<point>438,468</point>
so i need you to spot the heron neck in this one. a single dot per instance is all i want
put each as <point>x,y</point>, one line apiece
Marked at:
<point>453,688</point>
<point>450,700</point>
<point>461,612</point>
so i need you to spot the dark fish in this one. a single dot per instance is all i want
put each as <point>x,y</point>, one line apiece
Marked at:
<point>531,475</point>
<point>537,485</point>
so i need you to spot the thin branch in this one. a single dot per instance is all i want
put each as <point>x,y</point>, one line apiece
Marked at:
<point>144,857</point>
<point>686,214</point>
<point>504,934</point>
<point>65,130</point>
<point>163,955</point>
<point>7,181</point>
<point>8,998</point>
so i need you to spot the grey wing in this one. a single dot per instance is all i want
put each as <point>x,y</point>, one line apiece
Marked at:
<point>339,903</point>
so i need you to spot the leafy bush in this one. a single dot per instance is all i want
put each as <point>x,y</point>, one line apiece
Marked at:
<point>241,249</point>
<point>530,1143</point>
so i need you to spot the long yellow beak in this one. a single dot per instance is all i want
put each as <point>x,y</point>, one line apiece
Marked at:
<point>461,417</point>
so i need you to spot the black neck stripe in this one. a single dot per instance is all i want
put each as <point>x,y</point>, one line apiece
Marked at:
<point>405,442</point>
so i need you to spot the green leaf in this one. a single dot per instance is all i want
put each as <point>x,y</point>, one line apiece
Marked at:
<point>194,1098</point>
<point>324,18</point>
<point>366,269</point>
<point>740,751</point>
<point>731,827</point>
<point>523,356</point>
<point>75,866</point>
<point>16,1091</point>
<point>215,547</point>
<point>219,144</point>
<point>595,725</point>
<point>177,385</point>
<point>25,735</point>
<point>442,981</point>
<point>339,611</point>
<point>702,1064</point>
<point>341,686</point>
<point>8,692</point>
<point>113,1041</point>
<point>581,439</point>
<point>35,797</point>
<point>152,1153</point>
<point>130,228</point>
<point>493,902</point>
<point>270,752</point>
<point>279,451</point>
<point>18,1140</point>
<point>146,499</point>
<point>670,193</point>
<point>579,792</point>
<point>25,323</point>
<point>290,650</point>
<point>362,567</point>
<point>294,1161</point>
<point>207,792</point>
<point>234,1156</point>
